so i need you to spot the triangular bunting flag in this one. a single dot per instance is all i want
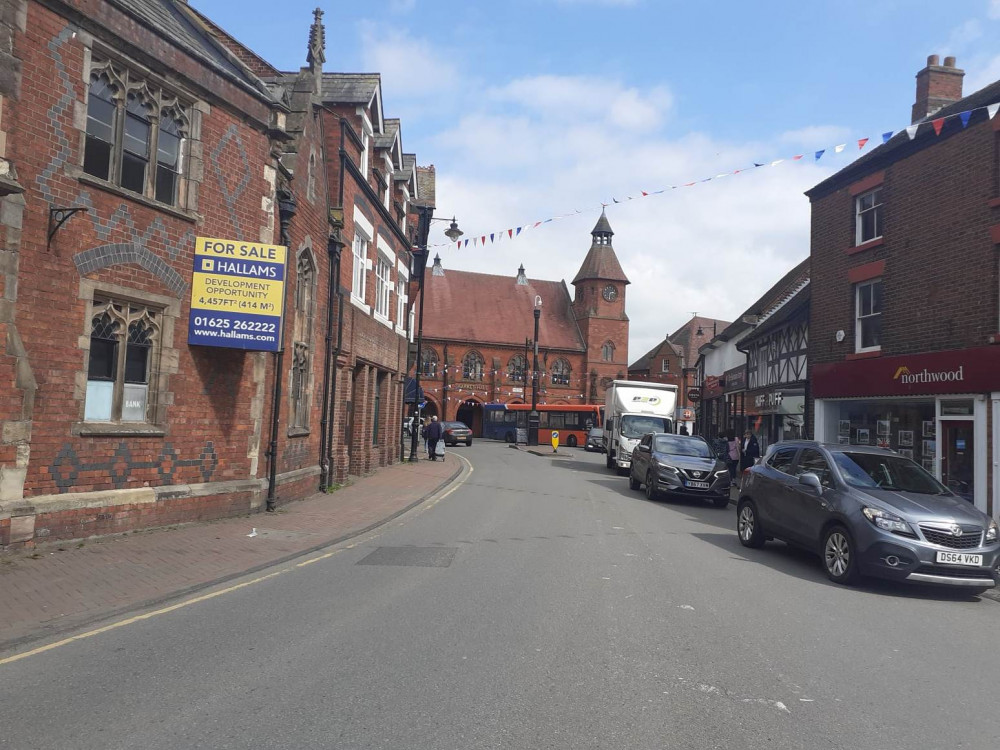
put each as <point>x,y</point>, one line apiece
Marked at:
<point>483,240</point>
<point>546,221</point>
<point>466,243</point>
<point>965,117</point>
<point>688,184</point>
<point>938,124</point>
<point>796,158</point>
<point>491,237</point>
<point>991,110</point>
<point>510,233</point>
<point>615,200</point>
<point>644,193</point>
<point>519,230</point>
<point>820,153</point>
<point>474,240</point>
<point>838,149</point>
<point>887,135</point>
<point>911,130</point>
<point>862,142</point>
<point>776,162</point>
<point>757,165</point>
<point>537,223</point>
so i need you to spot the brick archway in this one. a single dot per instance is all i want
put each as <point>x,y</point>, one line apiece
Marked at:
<point>470,411</point>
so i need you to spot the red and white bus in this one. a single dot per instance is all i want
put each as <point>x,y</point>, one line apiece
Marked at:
<point>573,422</point>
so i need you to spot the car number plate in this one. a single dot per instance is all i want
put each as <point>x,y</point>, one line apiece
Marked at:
<point>697,485</point>
<point>959,558</point>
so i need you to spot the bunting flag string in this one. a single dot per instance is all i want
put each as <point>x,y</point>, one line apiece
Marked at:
<point>937,124</point>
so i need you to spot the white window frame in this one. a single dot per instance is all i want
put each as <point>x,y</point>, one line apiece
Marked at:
<point>365,145</point>
<point>860,211</point>
<point>665,365</point>
<point>383,288</point>
<point>359,278</point>
<point>859,288</point>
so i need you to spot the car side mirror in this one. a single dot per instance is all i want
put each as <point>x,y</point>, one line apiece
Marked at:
<point>812,481</point>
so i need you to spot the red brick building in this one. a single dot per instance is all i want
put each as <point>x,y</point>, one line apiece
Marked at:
<point>903,328</point>
<point>162,128</point>
<point>674,360</point>
<point>478,330</point>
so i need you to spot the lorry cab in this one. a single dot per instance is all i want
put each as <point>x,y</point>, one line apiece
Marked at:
<point>633,409</point>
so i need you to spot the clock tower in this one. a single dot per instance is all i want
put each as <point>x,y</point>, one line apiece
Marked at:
<point>599,309</point>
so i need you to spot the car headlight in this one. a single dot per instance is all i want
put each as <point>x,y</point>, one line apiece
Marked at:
<point>665,467</point>
<point>887,521</point>
<point>723,473</point>
<point>992,532</point>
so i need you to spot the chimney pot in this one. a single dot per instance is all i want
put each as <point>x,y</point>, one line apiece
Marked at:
<point>937,87</point>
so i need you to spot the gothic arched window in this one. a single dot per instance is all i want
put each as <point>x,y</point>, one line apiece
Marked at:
<point>608,351</point>
<point>517,368</point>
<point>473,366</point>
<point>428,363</point>
<point>299,391</point>
<point>560,372</point>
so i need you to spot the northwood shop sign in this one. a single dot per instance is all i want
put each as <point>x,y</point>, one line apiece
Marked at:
<point>960,371</point>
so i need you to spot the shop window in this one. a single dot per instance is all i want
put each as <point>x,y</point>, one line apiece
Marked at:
<point>560,372</point>
<point>907,427</point>
<point>473,366</point>
<point>124,350</point>
<point>868,216</point>
<point>868,319</point>
<point>135,134</point>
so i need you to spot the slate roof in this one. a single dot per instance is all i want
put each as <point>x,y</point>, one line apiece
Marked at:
<point>388,138</point>
<point>179,24</point>
<point>426,186</point>
<point>601,261</point>
<point>409,162</point>
<point>799,299</point>
<point>900,146</point>
<point>350,88</point>
<point>481,307</point>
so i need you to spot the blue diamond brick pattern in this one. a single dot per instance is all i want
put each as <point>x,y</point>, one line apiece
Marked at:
<point>233,197</point>
<point>66,467</point>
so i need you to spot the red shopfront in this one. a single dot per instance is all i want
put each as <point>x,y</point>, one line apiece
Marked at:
<point>938,408</point>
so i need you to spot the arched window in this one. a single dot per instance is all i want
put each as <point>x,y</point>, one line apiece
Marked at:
<point>608,351</point>
<point>560,372</point>
<point>473,366</point>
<point>428,363</point>
<point>517,368</point>
<point>299,391</point>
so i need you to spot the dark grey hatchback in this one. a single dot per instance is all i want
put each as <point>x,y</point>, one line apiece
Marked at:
<point>679,465</point>
<point>867,511</point>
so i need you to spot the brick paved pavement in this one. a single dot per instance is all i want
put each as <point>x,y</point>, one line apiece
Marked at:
<point>67,584</point>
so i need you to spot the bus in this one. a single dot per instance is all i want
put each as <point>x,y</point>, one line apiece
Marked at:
<point>501,421</point>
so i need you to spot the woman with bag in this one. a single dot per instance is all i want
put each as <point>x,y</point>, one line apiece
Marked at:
<point>732,453</point>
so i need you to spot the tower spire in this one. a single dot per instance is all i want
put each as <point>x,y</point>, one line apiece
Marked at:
<point>602,232</point>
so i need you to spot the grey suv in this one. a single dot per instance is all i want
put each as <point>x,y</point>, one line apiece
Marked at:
<point>679,465</point>
<point>867,511</point>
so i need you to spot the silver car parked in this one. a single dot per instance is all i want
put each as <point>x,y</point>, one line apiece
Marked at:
<point>867,511</point>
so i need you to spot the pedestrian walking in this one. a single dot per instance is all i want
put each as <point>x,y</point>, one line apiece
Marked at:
<point>732,453</point>
<point>433,436</point>
<point>684,430</point>
<point>749,451</point>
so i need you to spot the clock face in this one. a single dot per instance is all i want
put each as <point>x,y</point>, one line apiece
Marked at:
<point>610,293</point>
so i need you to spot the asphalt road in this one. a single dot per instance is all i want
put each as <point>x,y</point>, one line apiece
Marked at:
<point>540,605</point>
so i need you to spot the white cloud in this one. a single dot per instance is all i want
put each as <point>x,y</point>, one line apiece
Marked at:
<point>549,145</point>
<point>993,11</point>
<point>981,71</point>
<point>410,67</point>
<point>964,35</point>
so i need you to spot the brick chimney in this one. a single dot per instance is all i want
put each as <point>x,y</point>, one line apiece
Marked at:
<point>937,87</point>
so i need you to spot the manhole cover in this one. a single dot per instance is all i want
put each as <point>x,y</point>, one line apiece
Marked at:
<point>419,557</point>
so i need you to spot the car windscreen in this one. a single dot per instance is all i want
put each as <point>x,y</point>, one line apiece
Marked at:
<point>679,446</point>
<point>886,472</point>
<point>596,432</point>
<point>637,425</point>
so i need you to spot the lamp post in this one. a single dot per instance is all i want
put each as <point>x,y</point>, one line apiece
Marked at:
<point>533,416</point>
<point>419,267</point>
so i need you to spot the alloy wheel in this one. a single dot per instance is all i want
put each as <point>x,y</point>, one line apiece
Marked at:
<point>837,554</point>
<point>746,523</point>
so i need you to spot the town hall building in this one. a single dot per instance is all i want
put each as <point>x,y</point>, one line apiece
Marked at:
<point>478,329</point>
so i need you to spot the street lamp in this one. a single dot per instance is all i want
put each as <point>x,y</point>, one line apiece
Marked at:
<point>533,417</point>
<point>417,272</point>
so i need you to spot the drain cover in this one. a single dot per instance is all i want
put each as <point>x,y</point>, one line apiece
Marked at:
<point>416,557</point>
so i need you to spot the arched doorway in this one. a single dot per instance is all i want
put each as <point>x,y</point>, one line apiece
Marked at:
<point>470,411</point>
<point>430,410</point>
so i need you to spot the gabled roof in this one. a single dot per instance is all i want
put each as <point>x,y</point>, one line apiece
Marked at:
<point>350,88</point>
<point>481,307</point>
<point>690,341</point>
<point>791,307</point>
<point>183,27</point>
<point>786,287</point>
<point>900,146</point>
<point>643,363</point>
<point>387,139</point>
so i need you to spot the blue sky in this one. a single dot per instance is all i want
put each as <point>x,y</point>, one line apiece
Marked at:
<point>532,108</point>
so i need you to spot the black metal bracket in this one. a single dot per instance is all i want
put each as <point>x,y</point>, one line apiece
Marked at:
<point>59,216</point>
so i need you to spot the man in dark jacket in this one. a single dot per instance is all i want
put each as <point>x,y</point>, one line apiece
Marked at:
<point>749,450</point>
<point>433,435</point>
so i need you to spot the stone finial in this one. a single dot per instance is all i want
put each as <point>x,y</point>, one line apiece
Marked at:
<point>317,41</point>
